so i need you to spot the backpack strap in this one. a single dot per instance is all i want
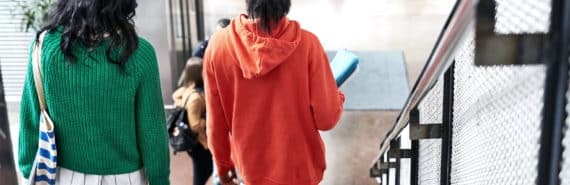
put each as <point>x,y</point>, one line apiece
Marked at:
<point>188,98</point>
<point>186,101</point>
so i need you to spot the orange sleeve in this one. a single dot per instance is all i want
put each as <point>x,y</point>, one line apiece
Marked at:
<point>326,100</point>
<point>217,126</point>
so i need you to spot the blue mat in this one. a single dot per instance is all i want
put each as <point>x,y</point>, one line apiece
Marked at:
<point>381,82</point>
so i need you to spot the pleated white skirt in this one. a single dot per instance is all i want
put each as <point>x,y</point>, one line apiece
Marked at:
<point>69,177</point>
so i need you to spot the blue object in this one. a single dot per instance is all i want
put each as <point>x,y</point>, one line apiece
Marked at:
<point>201,49</point>
<point>216,177</point>
<point>343,66</point>
<point>380,83</point>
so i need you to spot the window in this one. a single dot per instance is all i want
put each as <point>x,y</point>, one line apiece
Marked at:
<point>14,46</point>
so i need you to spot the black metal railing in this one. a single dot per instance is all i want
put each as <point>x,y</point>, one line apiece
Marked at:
<point>470,17</point>
<point>439,61</point>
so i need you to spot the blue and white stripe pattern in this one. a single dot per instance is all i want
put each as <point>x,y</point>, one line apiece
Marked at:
<point>45,165</point>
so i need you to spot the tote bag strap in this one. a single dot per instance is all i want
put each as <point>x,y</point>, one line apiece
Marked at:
<point>37,67</point>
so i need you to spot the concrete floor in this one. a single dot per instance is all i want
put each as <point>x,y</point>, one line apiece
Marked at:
<point>411,26</point>
<point>352,146</point>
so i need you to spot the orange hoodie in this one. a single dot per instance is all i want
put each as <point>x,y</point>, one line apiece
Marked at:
<point>267,98</point>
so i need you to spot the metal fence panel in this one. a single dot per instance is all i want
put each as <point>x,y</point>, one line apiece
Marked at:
<point>497,110</point>
<point>429,162</point>
<point>431,109</point>
<point>523,16</point>
<point>497,116</point>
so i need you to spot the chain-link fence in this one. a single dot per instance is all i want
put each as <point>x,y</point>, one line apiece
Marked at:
<point>497,109</point>
<point>496,126</point>
<point>429,163</point>
<point>497,117</point>
<point>523,16</point>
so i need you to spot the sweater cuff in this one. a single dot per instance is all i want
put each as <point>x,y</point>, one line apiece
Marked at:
<point>26,171</point>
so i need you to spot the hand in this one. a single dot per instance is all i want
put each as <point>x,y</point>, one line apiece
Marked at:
<point>230,178</point>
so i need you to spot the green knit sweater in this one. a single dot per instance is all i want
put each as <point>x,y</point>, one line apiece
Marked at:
<point>106,121</point>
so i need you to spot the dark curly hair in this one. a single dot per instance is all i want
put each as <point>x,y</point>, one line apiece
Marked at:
<point>91,22</point>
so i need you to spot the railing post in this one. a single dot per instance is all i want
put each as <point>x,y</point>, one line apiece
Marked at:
<point>396,153</point>
<point>447,126</point>
<point>414,171</point>
<point>398,166</point>
<point>415,152</point>
<point>554,110</point>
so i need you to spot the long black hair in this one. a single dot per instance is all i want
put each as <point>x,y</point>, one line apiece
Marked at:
<point>90,22</point>
<point>267,11</point>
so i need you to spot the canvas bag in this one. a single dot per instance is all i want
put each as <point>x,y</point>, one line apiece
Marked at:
<point>44,169</point>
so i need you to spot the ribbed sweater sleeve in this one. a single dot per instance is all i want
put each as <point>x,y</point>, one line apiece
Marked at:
<point>29,121</point>
<point>151,121</point>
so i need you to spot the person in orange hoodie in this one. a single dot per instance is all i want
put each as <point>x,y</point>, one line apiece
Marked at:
<point>269,91</point>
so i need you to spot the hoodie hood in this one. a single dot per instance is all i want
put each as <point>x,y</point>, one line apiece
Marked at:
<point>257,52</point>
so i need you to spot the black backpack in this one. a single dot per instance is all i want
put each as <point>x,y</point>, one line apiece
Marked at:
<point>180,136</point>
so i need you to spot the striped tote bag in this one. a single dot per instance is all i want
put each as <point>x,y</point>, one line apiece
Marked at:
<point>44,168</point>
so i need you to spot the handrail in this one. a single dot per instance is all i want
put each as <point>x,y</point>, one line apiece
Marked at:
<point>440,59</point>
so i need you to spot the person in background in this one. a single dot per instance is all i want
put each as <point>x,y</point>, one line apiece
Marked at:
<point>191,97</point>
<point>269,91</point>
<point>103,93</point>
<point>222,23</point>
<point>199,52</point>
<point>201,49</point>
